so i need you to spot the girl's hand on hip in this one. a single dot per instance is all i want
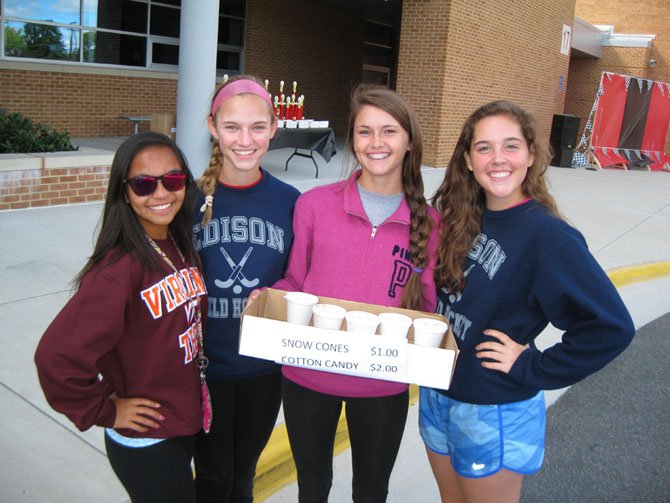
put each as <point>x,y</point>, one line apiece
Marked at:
<point>503,352</point>
<point>138,414</point>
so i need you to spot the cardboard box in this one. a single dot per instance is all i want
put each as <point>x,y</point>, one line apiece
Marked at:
<point>266,334</point>
<point>164,123</point>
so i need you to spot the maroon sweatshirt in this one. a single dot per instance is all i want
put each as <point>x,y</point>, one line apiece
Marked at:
<point>128,330</point>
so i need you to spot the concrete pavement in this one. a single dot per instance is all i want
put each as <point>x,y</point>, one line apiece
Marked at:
<point>608,438</point>
<point>625,216</point>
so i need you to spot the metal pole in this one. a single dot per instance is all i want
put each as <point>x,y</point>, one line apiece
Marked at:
<point>197,78</point>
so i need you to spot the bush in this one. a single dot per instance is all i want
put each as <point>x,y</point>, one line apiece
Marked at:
<point>20,135</point>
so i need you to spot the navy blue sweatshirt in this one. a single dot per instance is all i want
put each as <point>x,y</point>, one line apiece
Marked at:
<point>526,269</point>
<point>245,246</point>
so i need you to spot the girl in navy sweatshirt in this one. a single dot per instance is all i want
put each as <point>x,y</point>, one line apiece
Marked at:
<point>243,235</point>
<point>509,264</point>
<point>124,353</point>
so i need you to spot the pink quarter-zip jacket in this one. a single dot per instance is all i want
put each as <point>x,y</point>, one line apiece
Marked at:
<point>337,253</point>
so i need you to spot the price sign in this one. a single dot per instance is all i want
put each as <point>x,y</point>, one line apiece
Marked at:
<point>361,355</point>
<point>387,357</point>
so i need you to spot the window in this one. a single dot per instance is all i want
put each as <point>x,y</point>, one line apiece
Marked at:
<point>114,49</point>
<point>132,33</point>
<point>381,34</point>
<point>164,21</point>
<point>378,52</point>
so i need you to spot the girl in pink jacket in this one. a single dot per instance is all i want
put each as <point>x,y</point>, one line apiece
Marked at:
<point>370,238</point>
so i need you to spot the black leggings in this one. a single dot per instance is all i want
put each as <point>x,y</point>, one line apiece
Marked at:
<point>245,412</point>
<point>160,473</point>
<point>375,425</point>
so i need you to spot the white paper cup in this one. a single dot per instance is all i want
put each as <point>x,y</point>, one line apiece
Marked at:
<point>362,322</point>
<point>394,324</point>
<point>291,124</point>
<point>280,123</point>
<point>304,123</point>
<point>328,316</point>
<point>429,332</point>
<point>299,307</point>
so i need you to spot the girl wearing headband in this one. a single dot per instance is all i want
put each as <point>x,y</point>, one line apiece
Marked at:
<point>369,238</point>
<point>135,320</point>
<point>243,237</point>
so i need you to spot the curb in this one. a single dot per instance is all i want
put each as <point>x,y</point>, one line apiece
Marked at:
<point>275,467</point>
<point>624,276</point>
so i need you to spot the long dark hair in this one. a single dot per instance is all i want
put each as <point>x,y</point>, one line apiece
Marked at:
<point>120,231</point>
<point>461,200</point>
<point>399,108</point>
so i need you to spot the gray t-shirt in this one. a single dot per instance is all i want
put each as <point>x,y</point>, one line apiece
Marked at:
<point>379,207</point>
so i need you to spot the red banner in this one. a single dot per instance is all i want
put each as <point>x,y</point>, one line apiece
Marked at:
<point>631,121</point>
<point>611,105</point>
<point>657,123</point>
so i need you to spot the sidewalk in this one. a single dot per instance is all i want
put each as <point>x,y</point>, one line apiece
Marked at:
<point>625,217</point>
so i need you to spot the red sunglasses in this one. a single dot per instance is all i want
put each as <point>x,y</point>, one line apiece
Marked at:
<point>145,185</point>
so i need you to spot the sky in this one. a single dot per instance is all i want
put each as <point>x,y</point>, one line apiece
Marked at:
<point>59,11</point>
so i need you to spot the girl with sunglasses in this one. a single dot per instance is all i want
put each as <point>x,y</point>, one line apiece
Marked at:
<point>244,237</point>
<point>125,351</point>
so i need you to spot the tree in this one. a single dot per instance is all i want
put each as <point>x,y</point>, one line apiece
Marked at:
<point>89,41</point>
<point>43,42</point>
<point>15,42</point>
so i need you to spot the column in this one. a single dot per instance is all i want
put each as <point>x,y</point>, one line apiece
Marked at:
<point>197,78</point>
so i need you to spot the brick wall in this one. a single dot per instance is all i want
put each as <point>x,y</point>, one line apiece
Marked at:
<point>280,45</point>
<point>649,17</point>
<point>280,41</point>
<point>318,46</point>
<point>454,58</point>
<point>85,104</point>
<point>32,188</point>
<point>635,16</point>
<point>422,69</point>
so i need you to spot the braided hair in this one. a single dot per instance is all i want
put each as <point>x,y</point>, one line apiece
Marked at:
<point>208,181</point>
<point>399,108</point>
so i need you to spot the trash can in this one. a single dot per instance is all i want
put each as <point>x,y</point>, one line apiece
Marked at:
<point>164,123</point>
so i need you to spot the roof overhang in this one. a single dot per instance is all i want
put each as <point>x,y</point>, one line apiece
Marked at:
<point>588,39</point>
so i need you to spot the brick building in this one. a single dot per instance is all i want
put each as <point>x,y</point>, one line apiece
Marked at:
<point>446,56</point>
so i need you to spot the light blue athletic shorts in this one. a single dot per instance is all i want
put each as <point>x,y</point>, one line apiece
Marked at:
<point>482,439</point>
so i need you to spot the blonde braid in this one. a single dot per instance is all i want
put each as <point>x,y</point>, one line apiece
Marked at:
<point>207,182</point>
